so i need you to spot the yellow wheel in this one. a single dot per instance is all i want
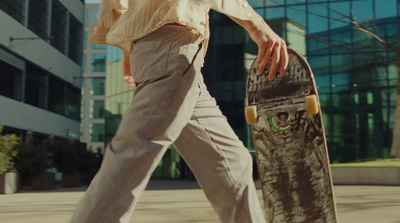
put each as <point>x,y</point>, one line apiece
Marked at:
<point>312,105</point>
<point>251,114</point>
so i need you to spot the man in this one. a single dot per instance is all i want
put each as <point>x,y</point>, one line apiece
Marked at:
<point>166,41</point>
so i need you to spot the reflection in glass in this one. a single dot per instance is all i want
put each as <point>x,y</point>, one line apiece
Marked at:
<point>274,2</point>
<point>98,62</point>
<point>275,13</point>
<point>339,13</point>
<point>35,86</point>
<point>10,81</point>
<point>96,132</point>
<point>297,14</point>
<point>363,10</point>
<point>256,3</point>
<point>97,109</point>
<point>97,86</point>
<point>388,9</point>
<point>317,18</point>
<point>94,15</point>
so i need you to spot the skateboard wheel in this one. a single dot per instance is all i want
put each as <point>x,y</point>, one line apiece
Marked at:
<point>312,105</point>
<point>251,114</point>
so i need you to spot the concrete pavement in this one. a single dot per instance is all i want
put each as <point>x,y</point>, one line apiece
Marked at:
<point>183,201</point>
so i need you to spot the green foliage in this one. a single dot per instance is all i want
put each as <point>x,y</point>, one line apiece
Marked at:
<point>7,151</point>
<point>30,160</point>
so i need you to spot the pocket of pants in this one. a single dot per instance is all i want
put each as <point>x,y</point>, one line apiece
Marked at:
<point>182,58</point>
<point>149,59</point>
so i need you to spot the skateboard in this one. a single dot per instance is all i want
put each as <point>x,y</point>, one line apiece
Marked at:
<point>290,144</point>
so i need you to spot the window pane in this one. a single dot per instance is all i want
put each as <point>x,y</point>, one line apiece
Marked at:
<point>56,96</point>
<point>230,61</point>
<point>294,2</point>
<point>362,10</point>
<point>75,40</point>
<point>221,19</point>
<point>59,26</point>
<point>297,14</point>
<point>319,64</point>
<point>98,62</point>
<point>73,103</point>
<point>338,13</point>
<point>256,3</point>
<point>274,2</point>
<point>97,86</point>
<point>275,13</point>
<point>386,10</point>
<point>317,18</point>
<point>85,23</point>
<point>323,81</point>
<point>10,81</point>
<point>98,46</point>
<point>97,132</point>
<point>37,17</point>
<point>94,15</point>
<point>97,109</point>
<point>35,86</point>
<point>341,40</point>
<point>14,8</point>
<point>84,63</point>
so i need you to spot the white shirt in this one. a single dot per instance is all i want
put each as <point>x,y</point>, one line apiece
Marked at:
<point>122,21</point>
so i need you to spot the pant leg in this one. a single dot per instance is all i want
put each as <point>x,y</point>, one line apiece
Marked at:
<point>167,71</point>
<point>220,163</point>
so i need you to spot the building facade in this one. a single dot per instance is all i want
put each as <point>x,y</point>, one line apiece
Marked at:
<point>40,56</point>
<point>356,74</point>
<point>93,84</point>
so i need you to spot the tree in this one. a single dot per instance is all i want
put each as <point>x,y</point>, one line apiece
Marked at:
<point>7,152</point>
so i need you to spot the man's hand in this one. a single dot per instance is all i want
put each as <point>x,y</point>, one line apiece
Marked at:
<point>127,76</point>
<point>271,48</point>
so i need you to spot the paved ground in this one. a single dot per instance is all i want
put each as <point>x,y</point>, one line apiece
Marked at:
<point>183,201</point>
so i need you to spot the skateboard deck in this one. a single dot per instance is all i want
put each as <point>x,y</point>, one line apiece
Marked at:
<point>290,144</point>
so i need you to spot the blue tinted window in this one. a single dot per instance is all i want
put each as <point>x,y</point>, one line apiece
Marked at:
<point>274,2</point>
<point>297,14</point>
<point>256,3</point>
<point>340,14</point>
<point>113,54</point>
<point>363,10</point>
<point>317,18</point>
<point>388,9</point>
<point>94,15</point>
<point>275,13</point>
<point>98,62</point>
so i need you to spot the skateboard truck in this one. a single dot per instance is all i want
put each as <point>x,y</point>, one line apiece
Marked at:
<point>308,103</point>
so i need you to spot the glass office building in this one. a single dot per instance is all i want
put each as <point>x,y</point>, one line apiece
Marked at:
<point>93,84</point>
<point>40,58</point>
<point>356,74</point>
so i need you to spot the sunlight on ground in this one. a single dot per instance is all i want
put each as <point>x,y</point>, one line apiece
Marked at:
<point>377,162</point>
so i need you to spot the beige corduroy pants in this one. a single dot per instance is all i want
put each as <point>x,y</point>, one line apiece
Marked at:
<point>171,105</point>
